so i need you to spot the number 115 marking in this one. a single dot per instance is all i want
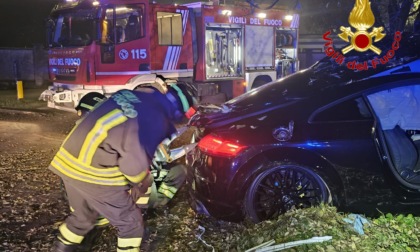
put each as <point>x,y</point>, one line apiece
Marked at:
<point>138,53</point>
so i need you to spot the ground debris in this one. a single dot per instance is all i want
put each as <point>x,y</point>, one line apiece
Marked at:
<point>32,208</point>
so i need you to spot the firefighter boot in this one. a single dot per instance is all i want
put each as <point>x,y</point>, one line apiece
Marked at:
<point>59,246</point>
<point>90,239</point>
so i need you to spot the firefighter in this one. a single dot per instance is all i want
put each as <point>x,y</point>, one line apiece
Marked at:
<point>107,155</point>
<point>166,182</point>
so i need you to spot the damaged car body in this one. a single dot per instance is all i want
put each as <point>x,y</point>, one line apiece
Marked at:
<point>327,134</point>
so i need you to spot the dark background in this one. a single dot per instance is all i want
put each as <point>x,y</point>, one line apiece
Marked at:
<point>22,22</point>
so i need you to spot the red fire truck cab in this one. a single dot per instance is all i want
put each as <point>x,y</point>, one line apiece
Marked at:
<point>106,45</point>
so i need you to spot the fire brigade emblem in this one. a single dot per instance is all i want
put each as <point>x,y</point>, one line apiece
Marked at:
<point>123,54</point>
<point>362,19</point>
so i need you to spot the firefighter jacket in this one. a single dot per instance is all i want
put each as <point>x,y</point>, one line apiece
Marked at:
<point>115,143</point>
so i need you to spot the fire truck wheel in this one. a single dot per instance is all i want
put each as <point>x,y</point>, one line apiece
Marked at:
<point>260,81</point>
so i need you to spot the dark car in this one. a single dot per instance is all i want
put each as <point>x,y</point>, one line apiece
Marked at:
<point>327,134</point>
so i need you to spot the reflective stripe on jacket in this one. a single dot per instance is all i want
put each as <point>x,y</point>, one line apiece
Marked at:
<point>73,168</point>
<point>80,168</point>
<point>111,146</point>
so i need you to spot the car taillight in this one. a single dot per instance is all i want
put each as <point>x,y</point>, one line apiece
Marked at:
<point>217,146</point>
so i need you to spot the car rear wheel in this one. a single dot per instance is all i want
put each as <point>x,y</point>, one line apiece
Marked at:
<point>281,188</point>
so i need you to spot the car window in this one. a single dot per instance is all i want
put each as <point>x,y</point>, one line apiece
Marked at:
<point>169,28</point>
<point>123,23</point>
<point>397,106</point>
<point>349,110</point>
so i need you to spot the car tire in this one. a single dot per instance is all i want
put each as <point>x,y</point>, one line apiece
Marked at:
<point>281,188</point>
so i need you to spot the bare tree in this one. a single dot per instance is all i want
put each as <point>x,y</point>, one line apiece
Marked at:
<point>398,12</point>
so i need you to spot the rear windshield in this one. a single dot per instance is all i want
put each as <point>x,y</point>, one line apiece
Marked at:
<point>284,91</point>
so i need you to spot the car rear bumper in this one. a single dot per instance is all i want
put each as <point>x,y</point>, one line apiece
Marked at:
<point>204,198</point>
<point>212,208</point>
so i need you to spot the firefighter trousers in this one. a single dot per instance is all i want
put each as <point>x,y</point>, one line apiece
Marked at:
<point>161,192</point>
<point>114,203</point>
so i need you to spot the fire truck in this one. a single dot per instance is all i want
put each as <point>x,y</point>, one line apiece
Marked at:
<point>107,45</point>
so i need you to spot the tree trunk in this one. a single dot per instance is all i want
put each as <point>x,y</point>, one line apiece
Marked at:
<point>416,25</point>
<point>398,14</point>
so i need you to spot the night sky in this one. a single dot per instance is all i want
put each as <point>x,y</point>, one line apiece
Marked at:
<point>22,22</point>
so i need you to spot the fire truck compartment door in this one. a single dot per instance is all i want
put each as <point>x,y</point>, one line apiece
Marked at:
<point>259,46</point>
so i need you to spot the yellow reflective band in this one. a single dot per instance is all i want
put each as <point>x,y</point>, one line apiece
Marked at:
<point>128,250</point>
<point>169,188</point>
<point>164,189</point>
<point>63,166</point>
<point>128,242</point>
<point>67,164</point>
<point>99,132</point>
<point>64,241</point>
<point>74,174</point>
<point>101,221</point>
<point>143,200</point>
<point>166,193</point>
<point>87,106</point>
<point>138,178</point>
<point>82,167</point>
<point>69,235</point>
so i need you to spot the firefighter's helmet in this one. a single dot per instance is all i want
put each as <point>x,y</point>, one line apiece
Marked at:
<point>88,102</point>
<point>183,96</point>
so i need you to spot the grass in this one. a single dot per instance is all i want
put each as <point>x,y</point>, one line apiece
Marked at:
<point>9,100</point>
<point>387,233</point>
